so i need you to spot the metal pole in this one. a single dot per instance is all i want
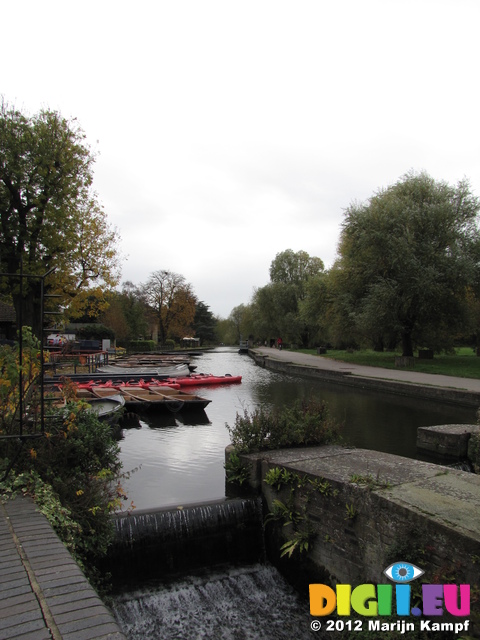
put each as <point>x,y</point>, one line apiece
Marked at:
<point>42,368</point>
<point>20,347</point>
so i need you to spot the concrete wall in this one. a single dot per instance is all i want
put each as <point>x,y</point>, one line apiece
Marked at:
<point>443,394</point>
<point>398,510</point>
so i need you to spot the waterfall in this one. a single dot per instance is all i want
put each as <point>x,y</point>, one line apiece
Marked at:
<point>241,603</point>
<point>462,465</point>
<point>151,544</point>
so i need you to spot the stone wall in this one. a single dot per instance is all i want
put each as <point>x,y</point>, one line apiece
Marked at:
<point>370,509</point>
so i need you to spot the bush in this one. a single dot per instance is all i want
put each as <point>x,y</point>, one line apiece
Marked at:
<point>73,475</point>
<point>10,369</point>
<point>306,423</point>
<point>95,332</point>
<point>141,345</point>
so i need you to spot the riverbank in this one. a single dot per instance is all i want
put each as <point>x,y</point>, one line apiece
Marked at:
<point>451,389</point>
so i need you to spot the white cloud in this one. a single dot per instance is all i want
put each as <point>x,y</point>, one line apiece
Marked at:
<point>231,131</point>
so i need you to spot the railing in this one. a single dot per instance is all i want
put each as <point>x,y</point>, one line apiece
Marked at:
<point>88,359</point>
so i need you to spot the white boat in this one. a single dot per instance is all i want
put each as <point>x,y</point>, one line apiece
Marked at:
<point>156,371</point>
<point>108,408</point>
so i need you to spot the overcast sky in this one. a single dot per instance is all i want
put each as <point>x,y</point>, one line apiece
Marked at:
<point>228,132</point>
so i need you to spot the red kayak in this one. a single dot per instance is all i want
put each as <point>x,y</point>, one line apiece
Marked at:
<point>131,383</point>
<point>201,379</point>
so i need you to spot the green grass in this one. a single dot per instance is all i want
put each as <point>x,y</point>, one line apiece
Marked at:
<point>463,364</point>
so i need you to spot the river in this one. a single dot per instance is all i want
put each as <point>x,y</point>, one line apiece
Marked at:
<point>177,459</point>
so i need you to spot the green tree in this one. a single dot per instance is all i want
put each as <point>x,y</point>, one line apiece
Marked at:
<point>407,259</point>
<point>126,313</point>
<point>314,307</point>
<point>295,268</point>
<point>204,323</point>
<point>241,320</point>
<point>225,331</point>
<point>135,310</point>
<point>277,305</point>
<point>276,313</point>
<point>49,214</point>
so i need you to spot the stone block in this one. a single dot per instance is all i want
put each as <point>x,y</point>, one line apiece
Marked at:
<point>447,442</point>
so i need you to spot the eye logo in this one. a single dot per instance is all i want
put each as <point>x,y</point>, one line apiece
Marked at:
<point>403,572</point>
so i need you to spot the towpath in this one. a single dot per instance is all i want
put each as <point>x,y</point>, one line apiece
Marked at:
<point>369,373</point>
<point>43,593</point>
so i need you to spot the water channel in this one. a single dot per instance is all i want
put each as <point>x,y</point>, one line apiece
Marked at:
<point>178,460</point>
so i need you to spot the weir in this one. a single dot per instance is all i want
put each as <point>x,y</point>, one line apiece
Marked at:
<point>151,544</point>
<point>199,571</point>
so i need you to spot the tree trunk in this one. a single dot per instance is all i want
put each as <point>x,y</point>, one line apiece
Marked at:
<point>407,345</point>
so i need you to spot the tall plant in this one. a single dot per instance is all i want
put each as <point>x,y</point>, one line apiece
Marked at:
<point>72,470</point>
<point>16,367</point>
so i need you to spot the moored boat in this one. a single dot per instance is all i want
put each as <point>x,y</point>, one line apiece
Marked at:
<point>167,371</point>
<point>141,397</point>
<point>203,379</point>
<point>109,408</point>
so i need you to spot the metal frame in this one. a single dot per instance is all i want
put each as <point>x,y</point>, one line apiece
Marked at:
<point>22,275</point>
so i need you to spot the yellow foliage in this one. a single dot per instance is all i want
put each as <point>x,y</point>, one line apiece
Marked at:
<point>10,370</point>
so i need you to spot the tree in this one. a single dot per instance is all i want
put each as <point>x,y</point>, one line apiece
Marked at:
<point>134,308</point>
<point>172,302</point>
<point>49,215</point>
<point>241,320</point>
<point>277,305</point>
<point>204,323</point>
<point>276,312</point>
<point>314,308</point>
<point>407,259</point>
<point>295,269</point>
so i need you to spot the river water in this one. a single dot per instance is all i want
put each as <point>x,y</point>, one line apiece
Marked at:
<point>178,459</point>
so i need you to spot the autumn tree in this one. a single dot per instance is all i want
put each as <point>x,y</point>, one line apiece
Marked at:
<point>172,303</point>
<point>408,258</point>
<point>49,215</point>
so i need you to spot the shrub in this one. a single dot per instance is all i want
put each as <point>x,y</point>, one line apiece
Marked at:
<point>306,423</point>
<point>73,473</point>
<point>10,380</point>
<point>95,332</point>
<point>141,345</point>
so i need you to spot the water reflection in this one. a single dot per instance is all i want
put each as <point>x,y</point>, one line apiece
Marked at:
<point>181,455</point>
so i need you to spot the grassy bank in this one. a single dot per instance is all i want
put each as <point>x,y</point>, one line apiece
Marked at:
<point>463,364</point>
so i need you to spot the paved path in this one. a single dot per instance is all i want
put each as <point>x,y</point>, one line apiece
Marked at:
<point>43,593</point>
<point>398,375</point>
